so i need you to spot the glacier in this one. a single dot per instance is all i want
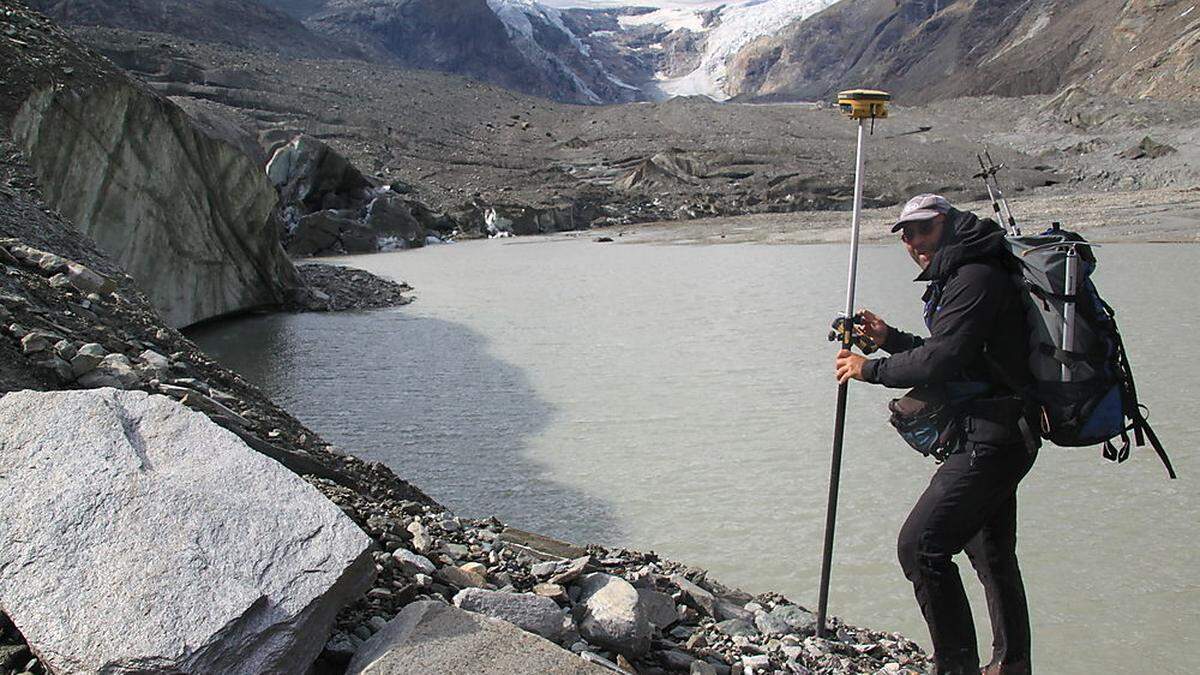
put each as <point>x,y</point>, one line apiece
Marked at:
<point>737,24</point>
<point>740,24</point>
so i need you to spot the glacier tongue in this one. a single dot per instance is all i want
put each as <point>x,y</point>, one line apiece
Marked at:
<point>671,18</point>
<point>736,25</point>
<point>740,24</point>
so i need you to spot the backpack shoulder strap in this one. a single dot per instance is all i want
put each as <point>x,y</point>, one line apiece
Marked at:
<point>1133,409</point>
<point>1140,426</point>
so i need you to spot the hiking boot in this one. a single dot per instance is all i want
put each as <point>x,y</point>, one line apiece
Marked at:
<point>1018,668</point>
<point>934,669</point>
<point>949,667</point>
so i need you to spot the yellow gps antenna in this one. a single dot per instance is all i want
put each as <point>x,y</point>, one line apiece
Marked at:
<point>860,105</point>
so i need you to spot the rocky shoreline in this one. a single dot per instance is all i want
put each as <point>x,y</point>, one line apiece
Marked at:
<point>335,288</point>
<point>70,319</point>
<point>629,611</point>
<point>68,327</point>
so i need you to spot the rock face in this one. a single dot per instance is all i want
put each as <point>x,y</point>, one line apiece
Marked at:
<point>967,47</point>
<point>523,46</point>
<point>329,207</point>
<point>142,537</point>
<point>552,44</point>
<point>458,36</point>
<point>435,639</point>
<point>190,218</point>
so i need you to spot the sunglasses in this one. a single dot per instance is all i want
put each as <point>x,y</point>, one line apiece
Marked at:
<point>920,228</point>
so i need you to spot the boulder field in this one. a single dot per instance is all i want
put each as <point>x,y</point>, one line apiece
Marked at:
<point>624,610</point>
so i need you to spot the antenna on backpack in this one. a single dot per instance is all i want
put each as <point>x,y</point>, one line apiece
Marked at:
<point>988,171</point>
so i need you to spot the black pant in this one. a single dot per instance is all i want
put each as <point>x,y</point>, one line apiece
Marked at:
<point>971,505</point>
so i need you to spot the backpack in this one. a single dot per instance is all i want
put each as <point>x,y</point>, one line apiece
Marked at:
<point>1084,390</point>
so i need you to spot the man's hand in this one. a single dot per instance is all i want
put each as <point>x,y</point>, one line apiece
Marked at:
<point>849,366</point>
<point>867,323</point>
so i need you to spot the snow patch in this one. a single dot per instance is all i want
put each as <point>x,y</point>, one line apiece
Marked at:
<point>699,82</point>
<point>672,18</point>
<point>621,83</point>
<point>1040,22</point>
<point>391,243</point>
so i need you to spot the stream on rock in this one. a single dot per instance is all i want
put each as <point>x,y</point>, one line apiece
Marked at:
<point>680,399</point>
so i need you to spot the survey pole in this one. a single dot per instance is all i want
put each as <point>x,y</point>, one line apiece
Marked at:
<point>860,105</point>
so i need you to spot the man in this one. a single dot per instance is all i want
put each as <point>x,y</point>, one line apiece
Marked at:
<point>977,330</point>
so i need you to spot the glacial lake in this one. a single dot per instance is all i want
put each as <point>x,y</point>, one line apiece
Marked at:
<point>680,399</point>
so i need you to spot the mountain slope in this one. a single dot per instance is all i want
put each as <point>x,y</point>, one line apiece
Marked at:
<point>920,49</point>
<point>546,39</point>
<point>575,55</point>
<point>243,23</point>
<point>464,37</point>
<point>298,9</point>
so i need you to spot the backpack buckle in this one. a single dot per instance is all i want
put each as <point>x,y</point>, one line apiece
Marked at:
<point>1112,453</point>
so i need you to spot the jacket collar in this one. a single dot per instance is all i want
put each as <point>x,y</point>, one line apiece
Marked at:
<point>965,238</point>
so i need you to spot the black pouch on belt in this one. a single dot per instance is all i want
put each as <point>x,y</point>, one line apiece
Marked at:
<point>999,420</point>
<point>927,421</point>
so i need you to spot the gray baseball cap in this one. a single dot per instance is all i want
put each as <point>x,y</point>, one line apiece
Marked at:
<point>921,207</point>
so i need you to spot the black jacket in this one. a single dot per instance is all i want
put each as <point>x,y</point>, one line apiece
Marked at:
<point>973,307</point>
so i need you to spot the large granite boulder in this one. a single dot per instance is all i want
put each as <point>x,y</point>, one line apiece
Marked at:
<point>432,638</point>
<point>141,537</point>
<point>612,615</point>
<point>191,218</point>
